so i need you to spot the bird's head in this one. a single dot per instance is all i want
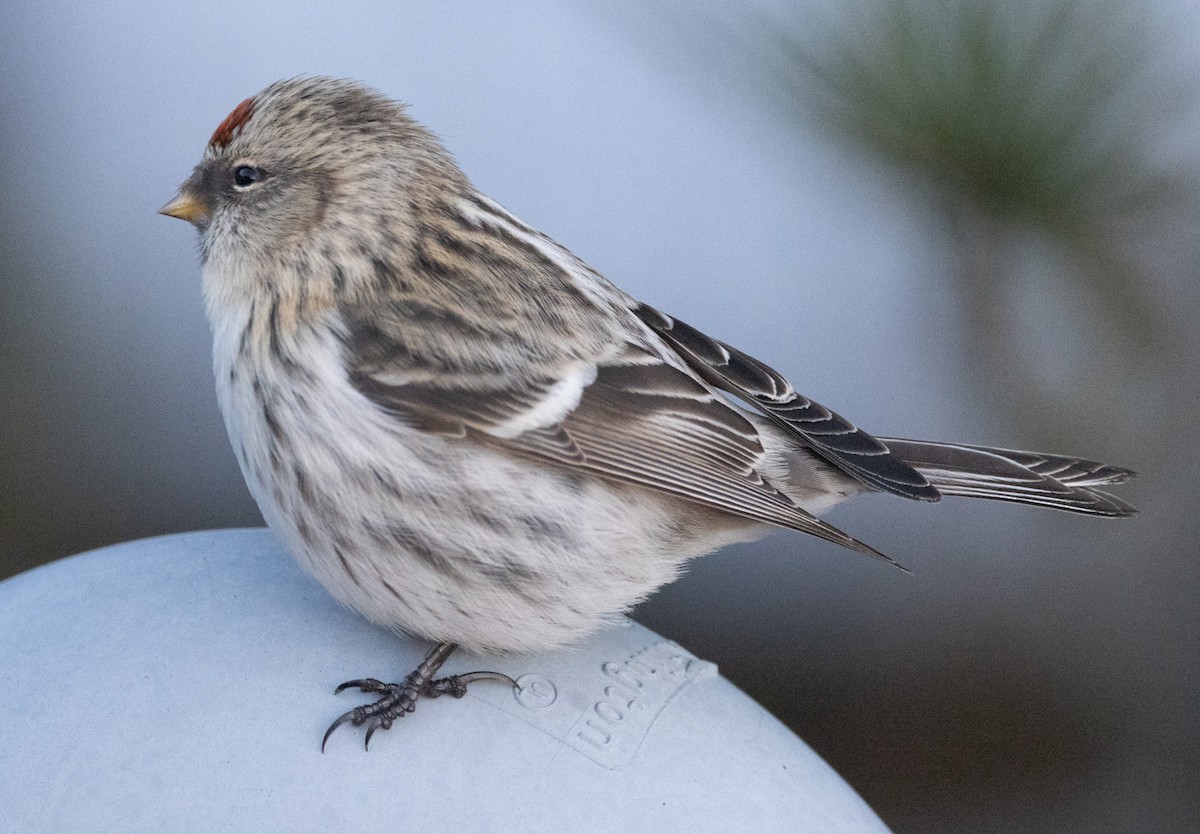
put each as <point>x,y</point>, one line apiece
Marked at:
<point>309,174</point>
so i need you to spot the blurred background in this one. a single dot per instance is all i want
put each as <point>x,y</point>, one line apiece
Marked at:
<point>970,220</point>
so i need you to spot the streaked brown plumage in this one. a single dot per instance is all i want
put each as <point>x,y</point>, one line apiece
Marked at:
<point>465,432</point>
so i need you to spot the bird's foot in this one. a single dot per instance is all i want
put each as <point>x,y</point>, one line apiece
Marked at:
<point>399,699</point>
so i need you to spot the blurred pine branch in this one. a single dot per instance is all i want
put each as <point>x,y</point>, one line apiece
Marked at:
<point>1043,129</point>
<point>1036,110</point>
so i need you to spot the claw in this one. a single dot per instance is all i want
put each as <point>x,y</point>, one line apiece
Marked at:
<point>362,684</point>
<point>339,721</point>
<point>471,677</point>
<point>372,725</point>
<point>456,685</point>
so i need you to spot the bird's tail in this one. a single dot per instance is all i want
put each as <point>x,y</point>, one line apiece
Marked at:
<point>1062,483</point>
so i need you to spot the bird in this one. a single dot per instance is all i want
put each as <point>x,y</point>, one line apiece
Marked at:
<point>467,434</point>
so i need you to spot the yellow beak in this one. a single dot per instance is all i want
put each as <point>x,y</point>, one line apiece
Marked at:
<point>186,206</point>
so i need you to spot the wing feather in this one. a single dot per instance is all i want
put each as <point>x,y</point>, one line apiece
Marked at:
<point>637,420</point>
<point>829,435</point>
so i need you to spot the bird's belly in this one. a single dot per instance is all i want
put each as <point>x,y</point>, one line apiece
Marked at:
<point>443,537</point>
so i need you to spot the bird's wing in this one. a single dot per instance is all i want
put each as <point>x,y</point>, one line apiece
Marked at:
<point>826,433</point>
<point>630,417</point>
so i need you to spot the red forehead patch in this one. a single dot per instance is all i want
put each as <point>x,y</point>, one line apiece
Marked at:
<point>223,135</point>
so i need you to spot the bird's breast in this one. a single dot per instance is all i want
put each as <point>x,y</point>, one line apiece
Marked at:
<point>442,537</point>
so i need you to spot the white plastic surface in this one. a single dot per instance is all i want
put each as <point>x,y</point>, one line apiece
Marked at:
<point>183,683</point>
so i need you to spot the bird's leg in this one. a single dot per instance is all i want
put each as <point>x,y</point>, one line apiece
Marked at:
<point>401,698</point>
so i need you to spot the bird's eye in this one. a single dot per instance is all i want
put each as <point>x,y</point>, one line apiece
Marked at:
<point>245,176</point>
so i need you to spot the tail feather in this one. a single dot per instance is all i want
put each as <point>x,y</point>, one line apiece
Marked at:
<point>1071,471</point>
<point>1062,483</point>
